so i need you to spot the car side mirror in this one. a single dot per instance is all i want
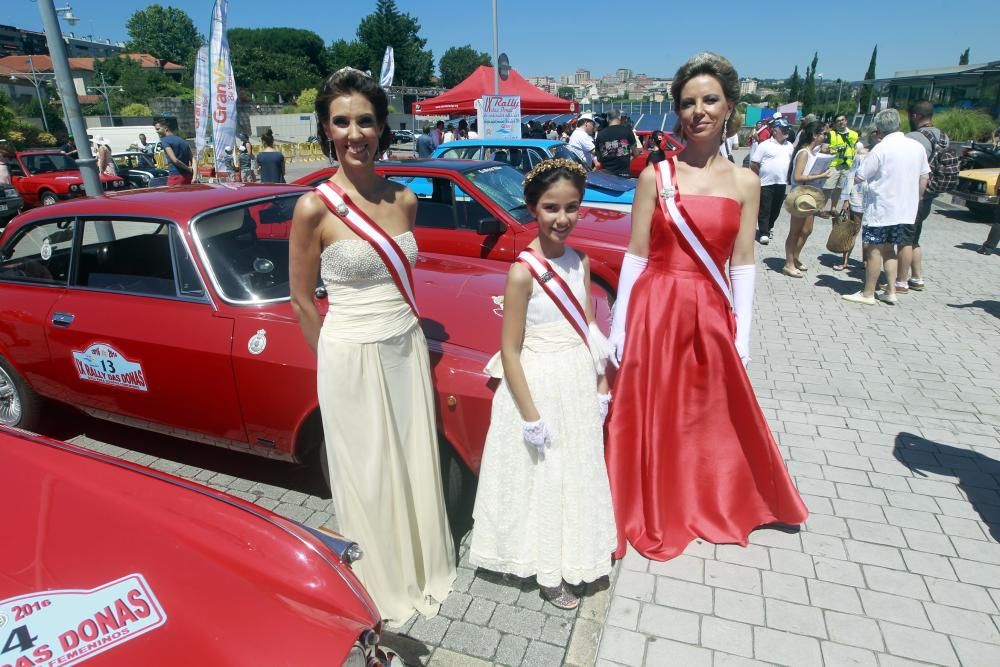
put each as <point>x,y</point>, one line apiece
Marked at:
<point>490,227</point>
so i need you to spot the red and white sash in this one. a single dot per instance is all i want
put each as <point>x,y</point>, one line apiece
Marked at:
<point>557,289</point>
<point>670,200</point>
<point>359,223</point>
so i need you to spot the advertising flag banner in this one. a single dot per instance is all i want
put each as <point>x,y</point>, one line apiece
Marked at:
<point>201,103</point>
<point>499,116</point>
<point>223,87</point>
<point>388,67</point>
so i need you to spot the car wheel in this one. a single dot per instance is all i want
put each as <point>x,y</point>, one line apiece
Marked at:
<point>20,406</point>
<point>457,480</point>
<point>48,199</point>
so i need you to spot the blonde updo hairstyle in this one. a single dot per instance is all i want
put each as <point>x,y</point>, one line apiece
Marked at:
<point>716,66</point>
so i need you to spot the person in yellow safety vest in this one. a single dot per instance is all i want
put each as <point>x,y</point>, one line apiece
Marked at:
<point>843,143</point>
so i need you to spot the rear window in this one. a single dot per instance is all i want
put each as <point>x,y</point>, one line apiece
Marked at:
<point>246,249</point>
<point>45,163</point>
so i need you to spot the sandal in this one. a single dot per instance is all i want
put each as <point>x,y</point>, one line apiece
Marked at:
<point>801,267</point>
<point>792,273</point>
<point>839,267</point>
<point>560,597</point>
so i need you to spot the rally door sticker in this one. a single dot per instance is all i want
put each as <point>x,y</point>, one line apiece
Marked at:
<point>66,627</point>
<point>104,364</point>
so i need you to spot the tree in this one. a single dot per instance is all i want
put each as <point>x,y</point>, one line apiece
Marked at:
<point>868,90</point>
<point>964,58</point>
<point>566,92</point>
<point>348,54</point>
<point>794,85</point>
<point>459,62</point>
<point>809,87</point>
<point>165,32</point>
<point>773,101</point>
<point>388,27</point>
<point>307,100</point>
<point>139,84</point>
<point>135,109</point>
<point>261,71</point>
<point>289,41</point>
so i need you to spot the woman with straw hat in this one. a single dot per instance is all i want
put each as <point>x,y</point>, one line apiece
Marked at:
<point>800,202</point>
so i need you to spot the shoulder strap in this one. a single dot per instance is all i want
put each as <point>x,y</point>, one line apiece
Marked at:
<point>388,250</point>
<point>557,289</point>
<point>673,209</point>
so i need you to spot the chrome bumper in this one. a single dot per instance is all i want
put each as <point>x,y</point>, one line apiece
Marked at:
<point>964,197</point>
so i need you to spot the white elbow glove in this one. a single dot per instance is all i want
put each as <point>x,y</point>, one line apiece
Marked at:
<point>537,435</point>
<point>743,279</point>
<point>603,405</point>
<point>632,268</point>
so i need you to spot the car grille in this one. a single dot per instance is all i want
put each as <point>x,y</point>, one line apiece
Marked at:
<point>971,186</point>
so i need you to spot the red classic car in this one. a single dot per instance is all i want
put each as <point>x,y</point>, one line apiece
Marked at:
<point>46,177</point>
<point>102,556</point>
<point>671,146</point>
<point>168,309</point>
<point>475,208</point>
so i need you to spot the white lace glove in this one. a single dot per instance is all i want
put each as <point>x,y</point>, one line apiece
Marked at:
<point>632,267</point>
<point>604,404</point>
<point>743,279</point>
<point>536,435</point>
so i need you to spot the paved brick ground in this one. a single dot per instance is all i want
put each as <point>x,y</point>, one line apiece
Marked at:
<point>888,419</point>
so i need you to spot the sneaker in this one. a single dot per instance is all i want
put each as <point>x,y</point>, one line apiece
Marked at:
<point>764,240</point>
<point>886,298</point>
<point>983,250</point>
<point>915,285</point>
<point>902,288</point>
<point>859,297</point>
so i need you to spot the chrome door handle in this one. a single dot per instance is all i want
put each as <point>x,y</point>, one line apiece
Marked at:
<point>62,319</point>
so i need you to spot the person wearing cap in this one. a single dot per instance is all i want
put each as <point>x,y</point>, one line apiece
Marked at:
<point>230,163</point>
<point>105,164</point>
<point>896,172</point>
<point>247,174</point>
<point>581,141</point>
<point>770,160</point>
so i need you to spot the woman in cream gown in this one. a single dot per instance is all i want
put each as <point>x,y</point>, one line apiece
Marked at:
<point>373,376</point>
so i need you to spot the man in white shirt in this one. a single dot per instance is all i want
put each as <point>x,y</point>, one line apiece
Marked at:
<point>770,160</point>
<point>896,173</point>
<point>581,141</point>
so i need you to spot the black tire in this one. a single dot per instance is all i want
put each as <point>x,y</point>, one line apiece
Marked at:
<point>983,210</point>
<point>48,198</point>
<point>20,406</point>
<point>457,481</point>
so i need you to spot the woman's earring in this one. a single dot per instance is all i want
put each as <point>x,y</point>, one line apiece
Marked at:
<point>725,129</point>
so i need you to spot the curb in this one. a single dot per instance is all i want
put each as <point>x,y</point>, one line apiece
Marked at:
<point>589,625</point>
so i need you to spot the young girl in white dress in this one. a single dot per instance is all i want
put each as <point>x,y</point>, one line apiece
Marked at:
<point>543,507</point>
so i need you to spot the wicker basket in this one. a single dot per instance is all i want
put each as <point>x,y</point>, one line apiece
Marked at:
<point>843,233</point>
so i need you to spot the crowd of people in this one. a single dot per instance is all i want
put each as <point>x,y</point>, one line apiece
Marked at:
<point>573,470</point>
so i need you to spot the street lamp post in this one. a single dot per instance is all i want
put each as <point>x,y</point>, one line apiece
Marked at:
<point>36,80</point>
<point>64,80</point>
<point>840,88</point>
<point>496,49</point>
<point>104,89</point>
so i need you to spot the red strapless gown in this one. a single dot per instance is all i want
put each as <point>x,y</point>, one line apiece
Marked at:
<point>689,451</point>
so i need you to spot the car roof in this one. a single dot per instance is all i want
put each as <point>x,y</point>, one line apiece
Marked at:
<point>179,203</point>
<point>514,143</point>
<point>439,163</point>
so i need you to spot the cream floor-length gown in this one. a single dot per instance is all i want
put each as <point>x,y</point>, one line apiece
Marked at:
<point>377,403</point>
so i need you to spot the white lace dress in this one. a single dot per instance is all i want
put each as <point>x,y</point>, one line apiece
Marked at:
<point>377,404</point>
<point>547,516</point>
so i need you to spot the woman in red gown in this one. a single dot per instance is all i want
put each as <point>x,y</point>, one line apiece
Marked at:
<point>689,452</point>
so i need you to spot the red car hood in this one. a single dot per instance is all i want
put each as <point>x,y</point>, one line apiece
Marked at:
<point>103,555</point>
<point>609,227</point>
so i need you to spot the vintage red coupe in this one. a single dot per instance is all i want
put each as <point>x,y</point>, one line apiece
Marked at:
<point>476,208</point>
<point>107,559</point>
<point>168,309</point>
<point>46,177</point>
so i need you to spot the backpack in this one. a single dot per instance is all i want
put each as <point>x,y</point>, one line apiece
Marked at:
<point>944,163</point>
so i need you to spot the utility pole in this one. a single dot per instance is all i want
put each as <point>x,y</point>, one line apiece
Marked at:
<point>64,80</point>
<point>104,89</point>
<point>840,87</point>
<point>496,50</point>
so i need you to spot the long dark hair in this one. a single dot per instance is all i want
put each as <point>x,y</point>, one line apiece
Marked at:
<point>806,136</point>
<point>344,82</point>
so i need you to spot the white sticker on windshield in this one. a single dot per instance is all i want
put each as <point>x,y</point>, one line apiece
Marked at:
<point>66,627</point>
<point>46,251</point>
<point>104,364</point>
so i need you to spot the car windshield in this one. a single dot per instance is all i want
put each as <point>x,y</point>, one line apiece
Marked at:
<point>44,163</point>
<point>143,161</point>
<point>504,185</point>
<point>246,248</point>
<point>564,152</point>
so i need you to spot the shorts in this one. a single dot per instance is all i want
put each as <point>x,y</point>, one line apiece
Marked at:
<point>838,181</point>
<point>179,179</point>
<point>912,235</point>
<point>882,235</point>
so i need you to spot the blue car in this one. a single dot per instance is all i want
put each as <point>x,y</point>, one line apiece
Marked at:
<point>604,190</point>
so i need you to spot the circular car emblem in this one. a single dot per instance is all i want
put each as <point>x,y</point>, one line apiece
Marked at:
<point>46,250</point>
<point>341,210</point>
<point>257,342</point>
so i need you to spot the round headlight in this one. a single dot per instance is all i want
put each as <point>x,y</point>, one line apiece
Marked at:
<point>118,184</point>
<point>74,188</point>
<point>356,658</point>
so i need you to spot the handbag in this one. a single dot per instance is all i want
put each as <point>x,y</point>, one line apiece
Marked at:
<point>843,233</point>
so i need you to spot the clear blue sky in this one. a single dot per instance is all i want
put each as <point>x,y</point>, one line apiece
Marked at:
<point>763,39</point>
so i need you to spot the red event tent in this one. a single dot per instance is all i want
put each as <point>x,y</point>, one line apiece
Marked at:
<point>461,99</point>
